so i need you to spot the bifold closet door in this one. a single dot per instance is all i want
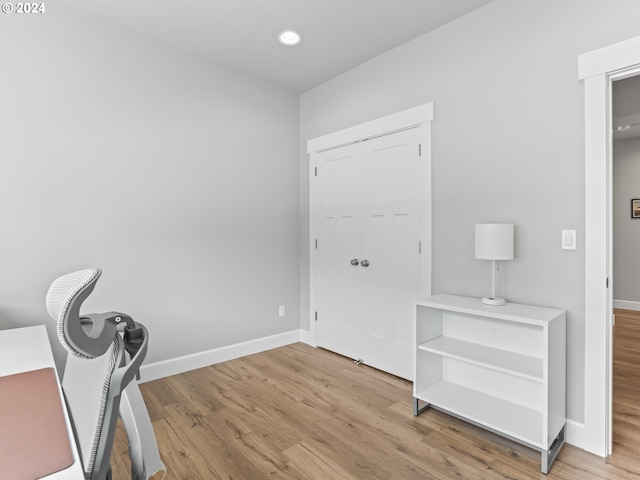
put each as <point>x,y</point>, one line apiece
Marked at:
<point>368,256</point>
<point>339,286</point>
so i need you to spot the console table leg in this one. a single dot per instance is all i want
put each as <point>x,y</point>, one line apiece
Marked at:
<point>417,409</point>
<point>549,456</point>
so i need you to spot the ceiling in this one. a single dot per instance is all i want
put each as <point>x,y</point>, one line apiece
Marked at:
<point>241,34</point>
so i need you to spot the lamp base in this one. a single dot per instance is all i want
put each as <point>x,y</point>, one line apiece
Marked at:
<point>496,301</point>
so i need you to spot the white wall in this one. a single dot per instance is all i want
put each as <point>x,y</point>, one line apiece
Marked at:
<point>626,230</point>
<point>508,143</point>
<point>178,178</point>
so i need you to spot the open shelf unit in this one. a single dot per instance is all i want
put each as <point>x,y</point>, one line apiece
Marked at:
<point>500,367</point>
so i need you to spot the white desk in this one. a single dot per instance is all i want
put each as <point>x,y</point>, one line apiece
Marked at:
<point>26,349</point>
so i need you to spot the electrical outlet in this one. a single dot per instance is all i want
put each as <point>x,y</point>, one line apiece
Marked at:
<point>281,311</point>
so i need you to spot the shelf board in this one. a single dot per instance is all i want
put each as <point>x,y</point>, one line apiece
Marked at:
<point>528,314</point>
<point>524,366</point>
<point>501,416</point>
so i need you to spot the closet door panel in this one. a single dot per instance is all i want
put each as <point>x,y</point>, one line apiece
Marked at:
<point>391,244</point>
<point>339,294</point>
<point>368,264</point>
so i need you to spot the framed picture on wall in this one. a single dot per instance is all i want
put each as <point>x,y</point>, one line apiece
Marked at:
<point>635,208</point>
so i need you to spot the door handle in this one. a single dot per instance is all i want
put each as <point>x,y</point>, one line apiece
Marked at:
<point>364,263</point>
<point>355,262</point>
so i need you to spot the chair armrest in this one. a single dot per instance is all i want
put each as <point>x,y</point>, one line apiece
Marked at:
<point>122,376</point>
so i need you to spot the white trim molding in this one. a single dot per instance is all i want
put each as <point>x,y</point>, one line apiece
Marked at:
<point>596,69</point>
<point>609,59</point>
<point>173,366</point>
<point>626,305</point>
<point>596,340</point>
<point>574,433</point>
<point>412,117</point>
<point>307,337</point>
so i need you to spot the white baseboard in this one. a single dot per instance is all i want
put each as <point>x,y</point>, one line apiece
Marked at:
<point>307,337</point>
<point>165,368</point>
<point>574,434</point>
<point>626,305</point>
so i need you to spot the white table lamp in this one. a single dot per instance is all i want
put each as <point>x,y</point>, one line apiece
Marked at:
<point>494,241</point>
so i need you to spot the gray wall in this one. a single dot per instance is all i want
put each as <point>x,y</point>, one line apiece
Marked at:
<point>508,143</point>
<point>626,230</point>
<point>177,178</point>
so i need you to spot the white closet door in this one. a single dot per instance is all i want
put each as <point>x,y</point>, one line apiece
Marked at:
<point>340,238</point>
<point>391,244</point>
<point>369,212</point>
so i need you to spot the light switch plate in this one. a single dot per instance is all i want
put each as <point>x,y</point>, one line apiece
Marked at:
<point>568,239</point>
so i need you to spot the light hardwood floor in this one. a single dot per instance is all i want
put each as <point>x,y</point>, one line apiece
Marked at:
<point>303,413</point>
<point>626,385</point>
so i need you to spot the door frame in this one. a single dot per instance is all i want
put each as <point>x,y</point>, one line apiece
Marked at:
<point>417,117</point>
<point>598,69</point>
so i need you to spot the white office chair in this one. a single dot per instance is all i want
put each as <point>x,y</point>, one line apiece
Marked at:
<point>105,354</point>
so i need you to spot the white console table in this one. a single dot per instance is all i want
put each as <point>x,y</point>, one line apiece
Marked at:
<point>499,367</point>
<point>24,350</point>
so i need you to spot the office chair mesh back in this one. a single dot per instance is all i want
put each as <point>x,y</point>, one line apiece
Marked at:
<point>86,379</point>
<point>106,352</point>
<point>61,294</point>
<point>86,385</point>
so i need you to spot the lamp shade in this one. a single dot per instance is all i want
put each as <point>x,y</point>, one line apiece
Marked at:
<point>494,241</point>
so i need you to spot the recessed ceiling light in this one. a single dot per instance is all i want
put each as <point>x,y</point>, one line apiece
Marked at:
<point>289,38</point>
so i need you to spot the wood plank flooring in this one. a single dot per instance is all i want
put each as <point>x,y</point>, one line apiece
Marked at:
<point>626,384</point>
<point>303,413</point>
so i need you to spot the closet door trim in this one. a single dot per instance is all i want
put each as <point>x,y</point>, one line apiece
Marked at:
<point>396,122</point>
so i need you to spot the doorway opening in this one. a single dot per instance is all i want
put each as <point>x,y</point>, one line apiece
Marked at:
<point>625,225</point>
